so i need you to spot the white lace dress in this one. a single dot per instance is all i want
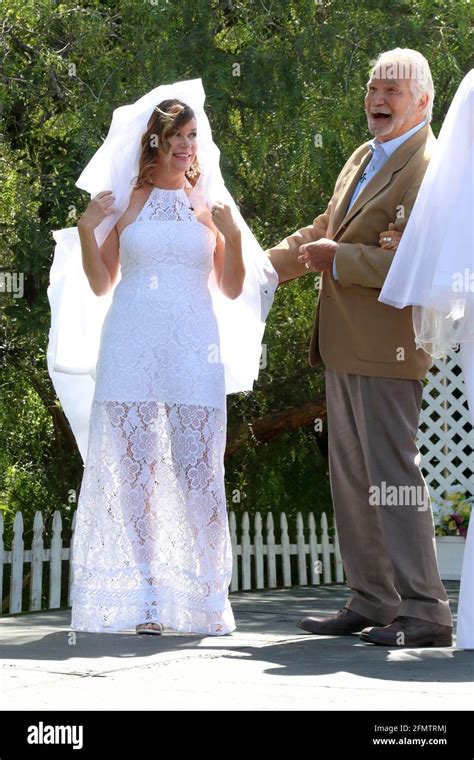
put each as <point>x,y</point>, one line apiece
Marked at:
<point>151,542</point>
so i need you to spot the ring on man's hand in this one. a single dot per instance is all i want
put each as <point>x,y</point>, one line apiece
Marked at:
<point>307,264</point>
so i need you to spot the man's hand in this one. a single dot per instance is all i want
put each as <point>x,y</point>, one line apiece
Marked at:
<point>318,256</point>
<point>389,239</point>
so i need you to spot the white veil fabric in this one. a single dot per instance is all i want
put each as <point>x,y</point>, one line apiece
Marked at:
<point>433,267</point>
<point>77,314</point>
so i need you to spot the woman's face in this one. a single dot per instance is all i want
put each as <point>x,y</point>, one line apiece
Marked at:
<point>183,148</point>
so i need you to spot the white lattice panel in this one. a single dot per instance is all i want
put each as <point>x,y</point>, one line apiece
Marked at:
<point>446,436</point>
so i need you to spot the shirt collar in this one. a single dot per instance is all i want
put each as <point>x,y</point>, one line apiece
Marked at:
<point>391,146</point>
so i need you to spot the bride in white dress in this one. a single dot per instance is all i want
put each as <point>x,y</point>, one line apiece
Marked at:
<point>151,546</point>
<point>433,270</point>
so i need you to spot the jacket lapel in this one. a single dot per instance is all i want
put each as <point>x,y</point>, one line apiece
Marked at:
<point>353,175</point>
<point>382,178</point>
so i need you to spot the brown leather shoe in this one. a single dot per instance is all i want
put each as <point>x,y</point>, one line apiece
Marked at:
<point>342,623</point>
<point>410,632</point>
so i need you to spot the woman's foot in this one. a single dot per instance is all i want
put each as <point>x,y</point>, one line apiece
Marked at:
<point>155,629</point>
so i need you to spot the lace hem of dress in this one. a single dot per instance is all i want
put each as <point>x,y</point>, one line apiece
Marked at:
<point>209,615</point>
<point>152,541</point>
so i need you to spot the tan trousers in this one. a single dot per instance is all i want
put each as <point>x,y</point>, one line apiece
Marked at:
<point>381,502</point>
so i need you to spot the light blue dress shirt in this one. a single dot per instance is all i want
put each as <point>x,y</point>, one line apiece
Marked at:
<point>381,152</point>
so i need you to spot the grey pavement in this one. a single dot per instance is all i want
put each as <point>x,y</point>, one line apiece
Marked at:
<point>266,664</point>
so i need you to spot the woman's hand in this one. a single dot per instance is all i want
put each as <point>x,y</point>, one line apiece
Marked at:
<point>228,259</point>
<point>101,265</point>
<point>224,221</point>
<point>389,239</point>
<point>99,207</point>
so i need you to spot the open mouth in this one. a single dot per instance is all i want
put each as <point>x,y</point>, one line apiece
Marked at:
<point>182,156</point>
<point>381,116</point>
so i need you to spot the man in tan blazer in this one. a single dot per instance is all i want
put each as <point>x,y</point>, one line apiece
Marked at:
<point>374,371</point>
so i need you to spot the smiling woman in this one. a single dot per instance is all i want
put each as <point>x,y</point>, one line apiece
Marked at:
<point>152,498</point>
<point>168,161</point>
<point>151,545</point>
<point>172,130</point>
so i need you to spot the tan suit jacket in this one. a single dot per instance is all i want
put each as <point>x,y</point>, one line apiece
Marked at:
<point>353,332</point>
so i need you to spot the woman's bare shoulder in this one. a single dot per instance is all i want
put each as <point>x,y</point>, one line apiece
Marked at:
<point>138,197</point>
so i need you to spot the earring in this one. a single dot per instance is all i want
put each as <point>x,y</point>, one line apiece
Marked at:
<point>193,170</point>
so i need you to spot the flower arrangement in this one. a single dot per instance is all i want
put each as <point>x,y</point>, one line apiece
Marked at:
<point>452,514</point>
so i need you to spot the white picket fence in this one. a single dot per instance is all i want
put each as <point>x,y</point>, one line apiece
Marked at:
<point>255,563</point>
<point>38,555</point>
<point>259,562</point>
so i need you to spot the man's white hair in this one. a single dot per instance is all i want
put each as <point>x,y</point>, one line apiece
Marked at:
<point>404,63</point>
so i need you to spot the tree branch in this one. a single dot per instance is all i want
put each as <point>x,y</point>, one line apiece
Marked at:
<point>272,425</point>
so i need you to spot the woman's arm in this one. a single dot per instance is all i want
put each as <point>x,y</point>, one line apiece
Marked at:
<point>228,261</point>
<point>101,265</point>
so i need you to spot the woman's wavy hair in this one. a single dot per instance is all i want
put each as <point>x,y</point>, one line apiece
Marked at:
<point>167,117</point>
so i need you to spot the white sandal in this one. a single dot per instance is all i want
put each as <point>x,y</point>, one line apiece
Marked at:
<point>143,630</point>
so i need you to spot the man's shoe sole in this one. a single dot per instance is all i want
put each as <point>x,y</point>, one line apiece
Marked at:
<point>443,641</point>
<point>335,632</point>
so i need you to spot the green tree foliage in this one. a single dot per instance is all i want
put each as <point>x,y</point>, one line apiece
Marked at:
<point>285,81</point>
